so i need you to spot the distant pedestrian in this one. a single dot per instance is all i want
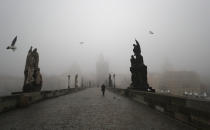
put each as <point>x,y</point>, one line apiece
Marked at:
<point>103,89</point>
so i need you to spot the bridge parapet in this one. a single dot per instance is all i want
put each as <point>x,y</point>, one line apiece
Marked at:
<point>20,99</point>
<point>195,112</point>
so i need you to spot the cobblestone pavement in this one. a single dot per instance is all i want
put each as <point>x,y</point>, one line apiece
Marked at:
<point>88,110</point>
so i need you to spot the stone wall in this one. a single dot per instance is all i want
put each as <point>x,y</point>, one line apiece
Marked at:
<point>19,99</point>
<point>195,112</point>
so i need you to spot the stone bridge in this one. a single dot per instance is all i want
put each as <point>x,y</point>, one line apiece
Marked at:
<point>88,109</point>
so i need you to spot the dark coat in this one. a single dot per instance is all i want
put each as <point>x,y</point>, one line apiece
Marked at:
<point>103,88</point>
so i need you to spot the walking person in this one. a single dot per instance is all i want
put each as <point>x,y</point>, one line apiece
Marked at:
<point>103,89</point>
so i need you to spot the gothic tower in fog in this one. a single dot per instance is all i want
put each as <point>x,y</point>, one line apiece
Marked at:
<point>102,70</point>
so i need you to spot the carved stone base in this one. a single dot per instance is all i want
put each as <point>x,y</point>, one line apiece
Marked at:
<point>31,88</point>
<point>139,77</point>
<point>149,89</point>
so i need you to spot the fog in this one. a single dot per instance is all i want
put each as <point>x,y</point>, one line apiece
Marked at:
<point>56,27</point>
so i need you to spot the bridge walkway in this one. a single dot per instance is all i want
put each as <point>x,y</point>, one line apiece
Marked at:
<point>88,109</point>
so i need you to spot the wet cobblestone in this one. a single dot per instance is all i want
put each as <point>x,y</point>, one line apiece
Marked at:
<point>88,110</point>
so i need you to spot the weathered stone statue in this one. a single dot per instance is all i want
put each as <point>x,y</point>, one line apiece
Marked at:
<point>32,75</point>
<point>139,70</point>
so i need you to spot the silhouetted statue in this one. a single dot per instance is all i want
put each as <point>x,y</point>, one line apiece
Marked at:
<point>82,82</point>
<point>36,58</point>
<point>76,81</point>
<point>114,80</point>
<point>32,75</point>
<point>110,80</point>
<point>139,70</point>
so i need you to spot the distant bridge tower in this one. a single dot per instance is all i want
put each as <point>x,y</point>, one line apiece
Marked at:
<point>102,70</point>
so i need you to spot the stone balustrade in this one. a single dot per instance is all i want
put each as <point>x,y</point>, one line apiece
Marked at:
<point>20,99</point>
<point>195,112</point>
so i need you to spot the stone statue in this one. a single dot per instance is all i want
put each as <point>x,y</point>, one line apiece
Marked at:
<point>36,58</point>
<point>136,49</point>
<point>139,70</point>
<point>110,80</point>
<point>76,81</point>
<point>32,75</point>
<point>82,82</point>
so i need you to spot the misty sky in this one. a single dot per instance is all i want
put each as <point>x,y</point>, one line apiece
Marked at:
<point>108,27</point>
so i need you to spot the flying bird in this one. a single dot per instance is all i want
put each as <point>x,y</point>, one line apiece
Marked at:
<point>150,32</point>
<point>12,46</point>
<point>81,42</point>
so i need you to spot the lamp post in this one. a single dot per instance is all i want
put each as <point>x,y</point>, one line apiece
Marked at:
<point>69,81</point>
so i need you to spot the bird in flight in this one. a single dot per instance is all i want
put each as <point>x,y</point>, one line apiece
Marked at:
<point>150,32</point>
<point>81,43</point>
<point>12,46</point>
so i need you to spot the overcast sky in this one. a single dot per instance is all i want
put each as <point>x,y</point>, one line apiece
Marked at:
<point>56,27</point>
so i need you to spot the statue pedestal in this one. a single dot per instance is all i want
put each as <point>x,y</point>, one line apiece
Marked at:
<point>31,88</point>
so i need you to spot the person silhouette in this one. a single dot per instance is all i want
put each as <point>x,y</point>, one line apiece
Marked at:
<point>103,89</point>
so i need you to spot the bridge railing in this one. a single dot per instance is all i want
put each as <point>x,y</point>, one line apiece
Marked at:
<point>20,99</point>
<point>195,112</point>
